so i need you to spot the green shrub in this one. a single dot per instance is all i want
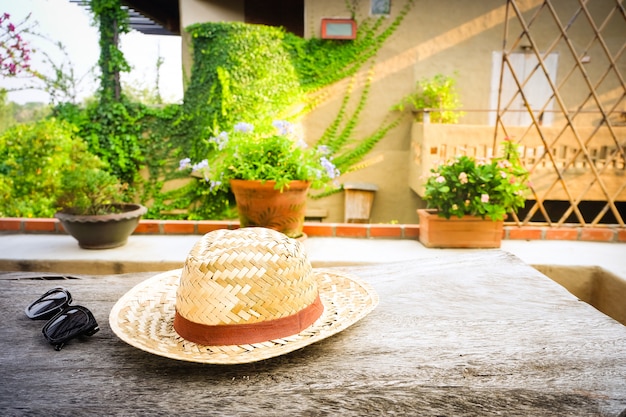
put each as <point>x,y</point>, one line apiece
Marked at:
<point>89,191</point>
<point>33,158</point>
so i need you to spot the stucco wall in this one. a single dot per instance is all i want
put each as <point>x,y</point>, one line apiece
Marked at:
<point>199,11</point>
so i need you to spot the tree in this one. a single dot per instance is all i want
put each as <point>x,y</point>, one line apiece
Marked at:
<point>14,50</point>
<point>59,80</point>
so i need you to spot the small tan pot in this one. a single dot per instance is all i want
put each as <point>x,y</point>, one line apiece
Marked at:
<point>259,204</point>
<point>464,232</point>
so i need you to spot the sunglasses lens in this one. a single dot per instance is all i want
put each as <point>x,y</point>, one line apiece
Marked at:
<point>49,304</point>
<point>72,322</point>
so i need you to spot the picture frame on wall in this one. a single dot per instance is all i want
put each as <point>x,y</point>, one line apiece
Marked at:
<point>380,7</point>
<point>338,29</point>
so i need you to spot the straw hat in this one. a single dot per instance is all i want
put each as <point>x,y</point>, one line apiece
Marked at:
<point>242,296</point>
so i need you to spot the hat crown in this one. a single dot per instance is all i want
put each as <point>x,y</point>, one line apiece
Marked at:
<point>245,276</point>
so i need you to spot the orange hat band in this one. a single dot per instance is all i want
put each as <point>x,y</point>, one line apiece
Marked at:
<point>243,334</point>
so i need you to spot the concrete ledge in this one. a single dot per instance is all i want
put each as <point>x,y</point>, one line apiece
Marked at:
<point>609,233</point>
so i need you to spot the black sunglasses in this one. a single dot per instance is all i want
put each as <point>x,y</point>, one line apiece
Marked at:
<point>65,322</point>
<point>49,305</point>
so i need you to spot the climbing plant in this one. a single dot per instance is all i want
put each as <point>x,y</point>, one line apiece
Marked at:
<point>111,125</point>
<point>240,72</point>
<point>112,21</point>
<point>321,62</point>
<point>337,60</point>
<point>251,73</point>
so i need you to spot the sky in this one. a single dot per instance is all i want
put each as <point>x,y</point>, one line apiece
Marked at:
<point>71,24</point>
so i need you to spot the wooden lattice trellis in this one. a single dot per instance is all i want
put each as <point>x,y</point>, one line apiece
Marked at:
<point>581,157</point>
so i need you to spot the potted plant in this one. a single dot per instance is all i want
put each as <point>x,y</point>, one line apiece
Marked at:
<point>471,197</point>
<point>436,96</point>
<point>269,169</point>
<point>90,211</point>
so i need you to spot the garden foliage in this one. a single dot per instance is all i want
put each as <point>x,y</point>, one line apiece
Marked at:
<point>240,73</point>
<point>490,188</point>
<point>33,161</point>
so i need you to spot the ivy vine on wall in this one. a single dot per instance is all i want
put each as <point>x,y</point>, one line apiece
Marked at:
<point>240,72</point>
<point>251,73</point>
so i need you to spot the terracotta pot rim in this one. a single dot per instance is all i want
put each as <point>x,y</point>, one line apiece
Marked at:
<point>435,212</point>
<point>131,210</point>
<point>269,182</point>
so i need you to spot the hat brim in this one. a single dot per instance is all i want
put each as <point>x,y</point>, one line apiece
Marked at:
<point>144,318</point>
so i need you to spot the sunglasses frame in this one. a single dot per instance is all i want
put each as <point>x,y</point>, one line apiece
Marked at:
<point>52,312</point>
<point>87,329</point>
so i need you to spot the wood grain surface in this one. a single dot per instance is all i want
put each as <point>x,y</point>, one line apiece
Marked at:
<point>483,335</point>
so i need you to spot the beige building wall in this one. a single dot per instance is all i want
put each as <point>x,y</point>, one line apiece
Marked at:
<point>199,11</point>
<point>437,36</point>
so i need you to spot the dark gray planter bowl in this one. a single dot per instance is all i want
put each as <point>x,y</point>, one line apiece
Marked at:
<point>103,231</point>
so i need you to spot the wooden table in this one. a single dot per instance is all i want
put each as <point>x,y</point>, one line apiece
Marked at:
<point>478,334</point>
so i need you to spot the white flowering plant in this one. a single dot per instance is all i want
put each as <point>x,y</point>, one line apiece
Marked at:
<point>487,188</point>
<point>265,153</point>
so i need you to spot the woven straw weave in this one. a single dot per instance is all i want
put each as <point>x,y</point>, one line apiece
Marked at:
<point>144,316</point>
<point>245,276</point>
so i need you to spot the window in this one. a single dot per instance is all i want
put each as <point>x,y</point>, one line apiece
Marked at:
<point>537,89</point>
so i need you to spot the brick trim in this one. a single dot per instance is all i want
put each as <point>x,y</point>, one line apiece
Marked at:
<point>609,233</point>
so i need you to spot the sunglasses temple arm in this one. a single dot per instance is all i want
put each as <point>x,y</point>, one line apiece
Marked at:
<point>92,331</point>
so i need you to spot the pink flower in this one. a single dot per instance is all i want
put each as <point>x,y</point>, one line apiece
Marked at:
<point>440,179</point>
<point>484,198</point>
<point>463,178</point>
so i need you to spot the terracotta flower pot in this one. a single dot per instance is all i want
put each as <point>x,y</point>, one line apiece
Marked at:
<point>259,204</point>
<point>102,231</point>
<point>464,232</point>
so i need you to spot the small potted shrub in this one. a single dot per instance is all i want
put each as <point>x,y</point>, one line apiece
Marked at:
<point>90,209</point>
<point>470,197</point>
<point>269,169</point>
<point>436,96</point>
